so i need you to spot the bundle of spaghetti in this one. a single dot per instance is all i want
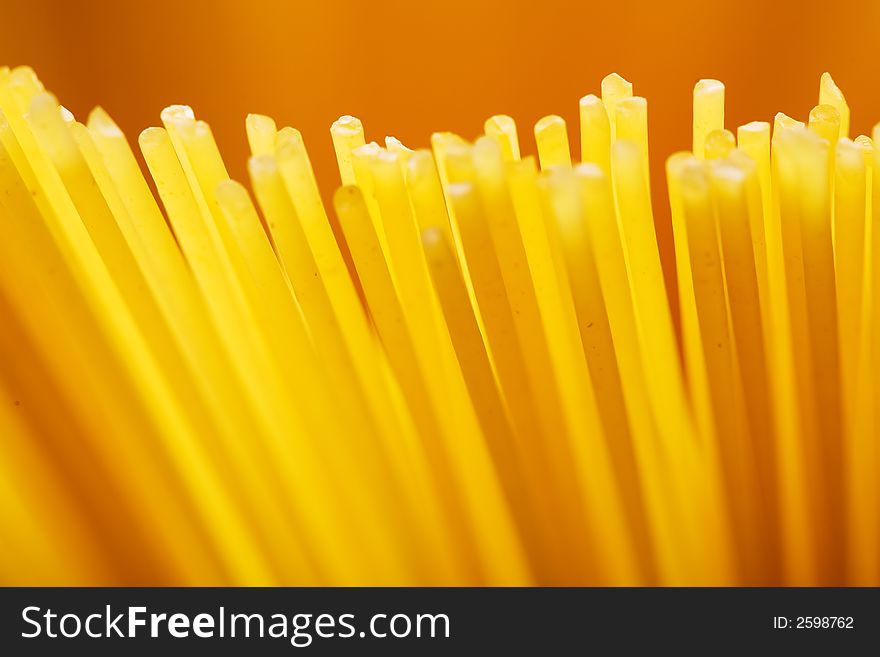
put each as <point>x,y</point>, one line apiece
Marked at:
<point>465,371</point>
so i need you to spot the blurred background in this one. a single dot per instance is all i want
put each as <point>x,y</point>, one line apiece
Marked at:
<point>410,68</point>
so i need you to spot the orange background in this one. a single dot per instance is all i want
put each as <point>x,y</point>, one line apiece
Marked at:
<point>408,68</point>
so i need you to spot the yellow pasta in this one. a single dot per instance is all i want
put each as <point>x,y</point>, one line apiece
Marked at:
<point>465,371</point>
<point>708,113</point>
<point>503,128</point>
<point>552,139</point>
